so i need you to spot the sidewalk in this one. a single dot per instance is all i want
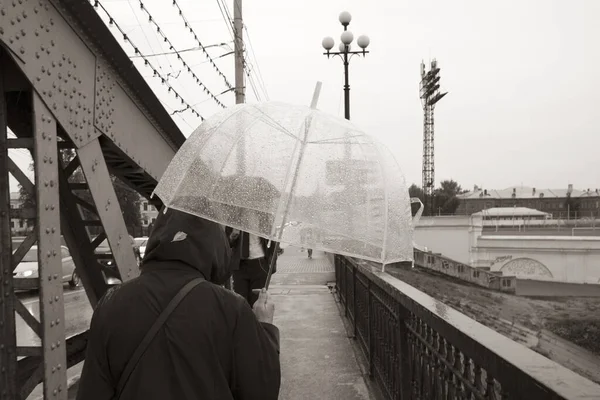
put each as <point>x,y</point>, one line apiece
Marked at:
<point>317,358</point>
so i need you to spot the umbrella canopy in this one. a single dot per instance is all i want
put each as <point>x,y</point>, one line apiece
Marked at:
<point>295,175</point>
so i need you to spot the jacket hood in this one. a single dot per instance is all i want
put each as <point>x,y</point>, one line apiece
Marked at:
<point>197,242</point>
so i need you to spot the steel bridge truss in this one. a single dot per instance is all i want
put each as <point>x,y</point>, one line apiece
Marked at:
<point>62,93</point>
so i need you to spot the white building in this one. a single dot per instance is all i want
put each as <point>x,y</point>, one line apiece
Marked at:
<point>148,213</point>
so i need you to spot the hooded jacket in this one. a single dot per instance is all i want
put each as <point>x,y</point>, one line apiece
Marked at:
<point>211,347</point>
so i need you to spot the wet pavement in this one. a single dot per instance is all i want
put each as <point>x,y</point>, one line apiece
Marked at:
<point>317,357</point>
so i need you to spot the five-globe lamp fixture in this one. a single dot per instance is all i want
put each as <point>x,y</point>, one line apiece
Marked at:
<point>346,53</point>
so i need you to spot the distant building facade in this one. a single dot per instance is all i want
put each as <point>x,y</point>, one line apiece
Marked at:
<point>148,213</point>
<point>18,226</point>
<point>551,201</point>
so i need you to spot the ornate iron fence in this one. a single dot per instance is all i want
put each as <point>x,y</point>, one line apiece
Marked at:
<point>419,348</point>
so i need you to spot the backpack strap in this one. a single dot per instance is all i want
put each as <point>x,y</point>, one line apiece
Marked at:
<point>143,346</point>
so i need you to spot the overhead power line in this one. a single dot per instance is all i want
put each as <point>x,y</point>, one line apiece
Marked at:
<point>179,57</point>
<point>164,80</point>
<point>191,30</point>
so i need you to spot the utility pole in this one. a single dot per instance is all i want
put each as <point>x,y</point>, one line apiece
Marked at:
<point>240,90</point>
<point>238,27</point>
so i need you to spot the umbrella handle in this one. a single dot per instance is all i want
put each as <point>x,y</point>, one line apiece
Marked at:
<point>272,265</point>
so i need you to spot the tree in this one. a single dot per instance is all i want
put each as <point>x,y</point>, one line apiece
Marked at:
<point>129,201</point>
<point>572,206</point>
<point>445,198</point>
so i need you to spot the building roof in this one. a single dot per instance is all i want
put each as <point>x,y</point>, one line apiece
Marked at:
<point>511,212</point>
<point>526,192</point>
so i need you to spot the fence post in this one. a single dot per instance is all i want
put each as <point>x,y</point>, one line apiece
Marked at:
<point>354,300</point>
<point>404,357</point>
<point>370,328</point>
<point>346,262</point>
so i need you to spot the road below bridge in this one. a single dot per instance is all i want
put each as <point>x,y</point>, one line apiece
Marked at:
<point>78,313</point>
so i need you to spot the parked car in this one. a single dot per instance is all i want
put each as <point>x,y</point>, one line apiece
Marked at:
<point>28,268</point>
<point>106,258</point>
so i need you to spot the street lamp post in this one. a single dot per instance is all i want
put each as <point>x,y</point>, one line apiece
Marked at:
<point>345,53</point>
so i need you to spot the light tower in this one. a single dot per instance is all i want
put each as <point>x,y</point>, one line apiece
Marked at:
<point>430,95</point>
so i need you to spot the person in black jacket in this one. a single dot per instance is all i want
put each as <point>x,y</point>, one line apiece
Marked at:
<point>254,254</point>
<point>213,345</point>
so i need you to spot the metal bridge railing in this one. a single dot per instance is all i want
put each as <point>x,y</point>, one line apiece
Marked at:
<point>419,348</point>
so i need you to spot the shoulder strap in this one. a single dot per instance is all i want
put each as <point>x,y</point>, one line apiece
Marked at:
<point>141,349</point>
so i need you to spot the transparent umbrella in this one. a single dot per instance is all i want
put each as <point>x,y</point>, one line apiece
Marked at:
<point>295,175</point>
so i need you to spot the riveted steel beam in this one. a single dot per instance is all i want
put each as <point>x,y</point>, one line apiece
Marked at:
<point>68,67</point>
<point>8,357</point>
<point>49,252</point>
<point>108,208</point>
<point>77,240</point>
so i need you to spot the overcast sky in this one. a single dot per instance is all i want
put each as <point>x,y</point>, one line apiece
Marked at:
<point>522,76</point>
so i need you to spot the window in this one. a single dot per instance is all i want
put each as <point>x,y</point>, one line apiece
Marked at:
<point>461,268</point>
<point>475,274</point>
<point>505,283</point>
<point>20,223</point>
<point>145,206</point>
